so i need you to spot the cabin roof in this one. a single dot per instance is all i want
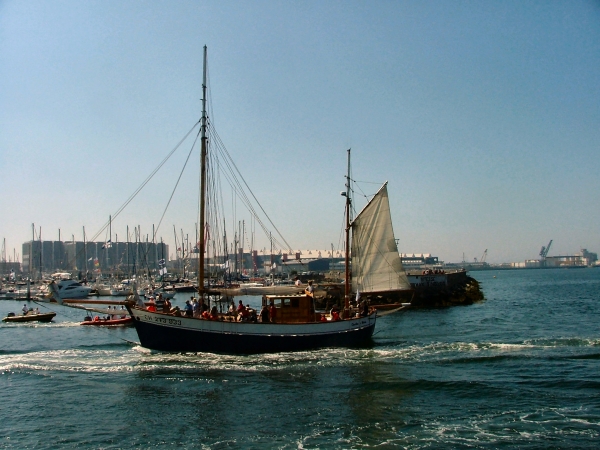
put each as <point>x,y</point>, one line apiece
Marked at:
<point>271,296</point>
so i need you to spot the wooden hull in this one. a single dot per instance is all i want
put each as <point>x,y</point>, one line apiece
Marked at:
<point>45,317</point>
<point>262,290</point>
<point>183,334</point>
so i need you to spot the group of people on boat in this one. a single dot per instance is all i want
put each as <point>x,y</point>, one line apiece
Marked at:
<point>433,272</point>
<point>244,313</point>
<point>114,313</point>
<point>194,307</point>
<point>197,307</point>
<point>334,314</point>
<point>26,310</point>
<point>200,309</point>
<point>161,304</point>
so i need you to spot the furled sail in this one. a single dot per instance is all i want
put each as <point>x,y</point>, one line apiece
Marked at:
<point>376,264</point>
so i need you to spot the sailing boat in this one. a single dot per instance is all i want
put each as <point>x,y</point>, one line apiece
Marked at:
<point>292,323</point>
<point>376,264</point>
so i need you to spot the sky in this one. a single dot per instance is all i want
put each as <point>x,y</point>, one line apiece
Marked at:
<point>483,116</point>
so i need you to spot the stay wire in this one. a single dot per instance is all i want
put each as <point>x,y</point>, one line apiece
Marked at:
<point>144,183</point>
<point>233,171</point>
<point>174,189</point>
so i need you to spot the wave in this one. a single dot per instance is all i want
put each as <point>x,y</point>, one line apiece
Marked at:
<point>564,342</point>
<point>122,356</point>
<point>468,352</point>
<point>75,360</point>
<point>108,345</point>
<point>17,325</point>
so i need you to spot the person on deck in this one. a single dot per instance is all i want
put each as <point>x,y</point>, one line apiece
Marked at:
<point>188,309</point>
<point>310,289</point>
<point>202,307</point>
<point>25,309</point>
<point>335,313</point>
<point>167,306</point>
<point>364,308</point>
<point>264,314</point>
<point>241,311</point>
<point>160,302</point>
<point>251,314</point>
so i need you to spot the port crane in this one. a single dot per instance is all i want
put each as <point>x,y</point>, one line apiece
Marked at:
<point>481,260</point>
<point>545,249</point>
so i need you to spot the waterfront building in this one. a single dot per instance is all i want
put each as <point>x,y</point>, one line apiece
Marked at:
<point>91,257</point>
<point>413,260</point>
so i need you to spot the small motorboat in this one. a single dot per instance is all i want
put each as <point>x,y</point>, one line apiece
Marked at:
<point>30,317</point>
<point>104,322</point>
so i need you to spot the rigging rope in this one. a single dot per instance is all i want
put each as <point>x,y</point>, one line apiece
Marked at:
<point>238,188</point>
<point>137,191</point>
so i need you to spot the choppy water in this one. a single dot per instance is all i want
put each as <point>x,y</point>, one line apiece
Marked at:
<point>520,370</point>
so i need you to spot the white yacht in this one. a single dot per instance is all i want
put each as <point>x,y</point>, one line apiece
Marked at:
<point>70,289</point>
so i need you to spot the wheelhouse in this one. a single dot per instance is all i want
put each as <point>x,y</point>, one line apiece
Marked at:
<point>292,308</point>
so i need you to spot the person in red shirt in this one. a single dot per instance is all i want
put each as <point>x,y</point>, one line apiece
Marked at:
<point>151,305</point>
<point>242,313</point>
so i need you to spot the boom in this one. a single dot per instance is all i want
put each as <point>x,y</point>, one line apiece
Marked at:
<point>544,251</point>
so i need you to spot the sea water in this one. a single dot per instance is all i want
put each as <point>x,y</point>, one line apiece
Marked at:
<point>518,370</point>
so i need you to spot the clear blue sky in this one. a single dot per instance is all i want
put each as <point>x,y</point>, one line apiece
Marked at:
<point>483,116</point>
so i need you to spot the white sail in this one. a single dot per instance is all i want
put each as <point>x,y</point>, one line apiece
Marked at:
<point>376,264</point>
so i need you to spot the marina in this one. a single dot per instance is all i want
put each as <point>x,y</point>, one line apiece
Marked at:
<point>357,225</point>
<point>482,376</point>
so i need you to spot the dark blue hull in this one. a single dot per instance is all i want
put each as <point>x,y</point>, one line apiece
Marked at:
<point>176,339</point>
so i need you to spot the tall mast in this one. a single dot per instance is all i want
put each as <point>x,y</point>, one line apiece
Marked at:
<point>41,253</point>
<point>202,181</point>
<point>31,251</point>
<point>347,261</point>
<point>41,248</point>
<point>242,247</point>
<point>109,242</point>
<point>85,254</point>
